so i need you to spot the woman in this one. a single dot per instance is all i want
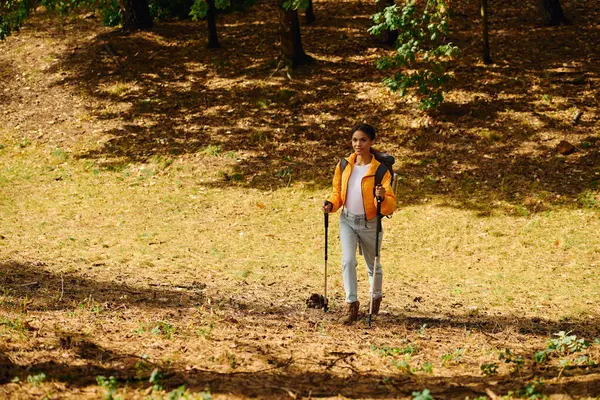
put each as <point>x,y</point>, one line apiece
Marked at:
<point>354,190</point>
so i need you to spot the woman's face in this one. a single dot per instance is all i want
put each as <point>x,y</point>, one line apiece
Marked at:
<point>361,143</point>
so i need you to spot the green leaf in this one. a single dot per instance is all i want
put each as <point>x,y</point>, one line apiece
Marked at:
<point>222,4</point>
<point>199,9</point>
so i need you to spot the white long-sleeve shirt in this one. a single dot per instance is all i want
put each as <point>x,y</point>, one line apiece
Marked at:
<point>354,199</point>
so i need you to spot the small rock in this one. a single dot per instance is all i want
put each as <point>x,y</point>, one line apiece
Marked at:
<point>565,148</point>
<point>315,301</point>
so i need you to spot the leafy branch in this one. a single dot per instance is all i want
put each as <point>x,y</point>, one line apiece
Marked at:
<point>12,15</point>
<point>199,9</point>
<point>421,51</point>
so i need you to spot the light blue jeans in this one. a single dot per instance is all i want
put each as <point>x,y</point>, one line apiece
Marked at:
<point>354,229</point>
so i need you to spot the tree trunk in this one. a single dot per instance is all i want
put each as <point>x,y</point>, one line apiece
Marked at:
<point>136,15</point>
<point>487,59</point>
<point>211,16</point>
<point>310,13</point>
<point>552,13</point>
<point>387,37</point>
<point>291,43</point>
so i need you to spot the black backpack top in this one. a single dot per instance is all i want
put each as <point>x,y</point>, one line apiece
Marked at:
<point>386,160</point>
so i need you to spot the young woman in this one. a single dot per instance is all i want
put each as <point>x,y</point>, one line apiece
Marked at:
<point>354,191</point>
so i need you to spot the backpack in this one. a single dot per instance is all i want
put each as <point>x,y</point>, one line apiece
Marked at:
<point>387,162</point>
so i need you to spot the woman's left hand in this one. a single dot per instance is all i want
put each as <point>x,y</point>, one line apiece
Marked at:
<point>380,191</point>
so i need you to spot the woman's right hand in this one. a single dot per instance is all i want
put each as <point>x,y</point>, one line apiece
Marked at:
<point>327,207</point>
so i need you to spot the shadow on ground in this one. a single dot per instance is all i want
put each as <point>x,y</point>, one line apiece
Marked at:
<point>31,286</point>
<point>290,372</point>
<point>163,93</point>
<point>286,378</point>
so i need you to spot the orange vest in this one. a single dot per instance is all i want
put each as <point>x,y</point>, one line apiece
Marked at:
<point>340,189</point>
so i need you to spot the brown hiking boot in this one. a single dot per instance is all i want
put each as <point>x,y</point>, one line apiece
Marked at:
<point>351,313</point>
<point>376,304</point>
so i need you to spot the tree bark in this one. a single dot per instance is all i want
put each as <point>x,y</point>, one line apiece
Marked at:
<point>487,59</point>
<point>291,42</point>
<point>310,13</point>
<point>136,15</point>
<point>211,18</point>
<point>387,37</point>
<point>552,13</point>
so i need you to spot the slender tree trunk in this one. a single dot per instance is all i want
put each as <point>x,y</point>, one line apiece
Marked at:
<point>487,59</point>
<point>136,15</point>
<point>211,16</point>
<point>552,13</point>
<point>291,42</point>
<point>387,37</point>
<point>310,13</point>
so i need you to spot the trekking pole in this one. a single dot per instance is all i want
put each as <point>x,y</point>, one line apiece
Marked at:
<point>325,301</point>
<point>377,230</point>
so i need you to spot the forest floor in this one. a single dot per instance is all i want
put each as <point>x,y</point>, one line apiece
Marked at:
<point>160,223</point>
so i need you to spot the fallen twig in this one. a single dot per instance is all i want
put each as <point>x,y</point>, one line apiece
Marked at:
<point>62,286</point>
<point>577,117</point>
<point>27,284</point>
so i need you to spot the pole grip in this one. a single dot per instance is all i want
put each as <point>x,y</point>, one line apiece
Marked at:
<point>326,214</point>
<point>326,222</point>
<point>378,229</point>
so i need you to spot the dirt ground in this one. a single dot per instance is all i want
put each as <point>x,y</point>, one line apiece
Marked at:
<point>215,299</point>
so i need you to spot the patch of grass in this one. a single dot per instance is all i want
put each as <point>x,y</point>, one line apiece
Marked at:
<point>116,167</point>
<point>142,366</point>
<point>427,367</point>
<point>211,150</point>
<point>490,135</point>
<point>386,351</point>
<point>263,103</point>
<point>563,344</point>
<point>206,331</point>
<point>589,199</point>
<point>24,143</point>
<point>146,173</point>
<point>156,379</point>
<point>110,387</point>
<point>530,391</point>
<point>423,395</point>
<point>164,328</point>
<point>37,379</point>
<point>182,393</point>
<point>233,363</point>
<point>119,89</point>
<point>60,154</point>
<point>516,362</point>
<point>455,357</point>
<point>161,162</point>
<point>258,137</point>
<point>489,369</point>
<point>13,325</point>
<point>244,273</point>
<point>403,365</point>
